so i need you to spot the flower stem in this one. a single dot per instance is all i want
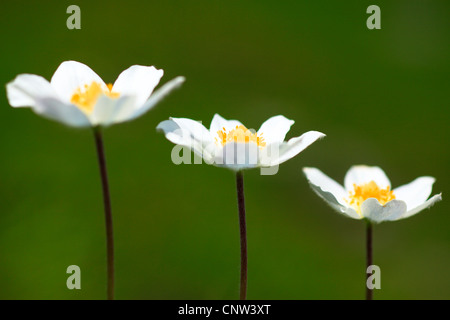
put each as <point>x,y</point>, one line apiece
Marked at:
<point>243,233</point>
<point>369,292</point>
<point>108,214</point>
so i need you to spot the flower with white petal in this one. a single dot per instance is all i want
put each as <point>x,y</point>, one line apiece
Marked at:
<point>367,193</point>
<point>78,97</point>
<point>228,143</point>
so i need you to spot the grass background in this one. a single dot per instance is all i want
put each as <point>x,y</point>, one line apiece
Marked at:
<point>381,96</point>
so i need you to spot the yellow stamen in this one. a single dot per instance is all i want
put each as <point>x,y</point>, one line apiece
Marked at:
<point>240,134</point>
<point>366,191</point>
<point>85,97</point>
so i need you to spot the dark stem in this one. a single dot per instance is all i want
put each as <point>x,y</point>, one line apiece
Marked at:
<point>243,233</point>
<point>108,214</point>
<point>369,292</point>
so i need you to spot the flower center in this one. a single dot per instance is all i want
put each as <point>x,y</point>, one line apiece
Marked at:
<point>366,191</point>
<point>86,96</point>
<point>240,134</point>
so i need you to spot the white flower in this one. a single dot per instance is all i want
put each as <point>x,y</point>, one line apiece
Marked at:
<point>78,97</point>
<point>367,194</point>
<point>228,143</point>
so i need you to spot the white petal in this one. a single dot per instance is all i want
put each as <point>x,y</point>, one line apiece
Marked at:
<point>330,191</point>
<point>416,192</point>
<point>291,148</point>
<point>188,133</point>
<point>37,93</point>
<point>218,124</point>
<point>174,133</point>
<point>275,129</point>
<point>156,97</point>
<point>375,212</point>
<point>25,89</point>
<point>108,111</point>
<point>65,113</point>
<point>197,131</point>
<point>362,174</point>
<point>138,81</point>
<point>237,156</point>
<point>318,178</point>
<point>425,205</point>
<point>72,75</point>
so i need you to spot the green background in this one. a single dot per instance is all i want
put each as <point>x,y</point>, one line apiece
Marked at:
<point>381,96</point>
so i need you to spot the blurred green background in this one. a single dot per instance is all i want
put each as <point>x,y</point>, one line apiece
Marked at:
<point>381,96</point>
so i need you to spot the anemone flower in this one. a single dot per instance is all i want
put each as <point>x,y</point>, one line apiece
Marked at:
<point>229,144</point>
<point>76,96</point>
<point>367,195</point>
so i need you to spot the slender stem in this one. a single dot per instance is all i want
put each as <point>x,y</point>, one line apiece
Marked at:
<point>243,233</point>
<point>108,214</point>
<point>369,292</point>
